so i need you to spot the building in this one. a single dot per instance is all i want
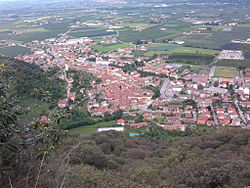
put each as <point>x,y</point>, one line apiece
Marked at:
<point>118,129</point>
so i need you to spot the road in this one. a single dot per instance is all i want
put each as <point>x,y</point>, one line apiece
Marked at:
<point>212,71</point>
<point>242,78</point>
<point>211,67</point>
<point>214,115</point>
<point>164,88</point>
<point>240,112</point>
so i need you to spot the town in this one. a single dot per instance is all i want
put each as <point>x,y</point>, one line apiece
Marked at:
<point>172,95</point>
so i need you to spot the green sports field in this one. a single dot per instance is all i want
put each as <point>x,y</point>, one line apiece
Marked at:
<point>112,48</point>
<point>92,128</point>
<point>226,72</point>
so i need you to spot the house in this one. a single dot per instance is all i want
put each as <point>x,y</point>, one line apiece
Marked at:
<point>43,120</point>
<point>173,108</point>
<point>62,103</point>
<point>173,119</point>
<point>121,122</point>
<point>188,107</point>
<point>225,121</point>
<point>245,104</point>
<point>71,107</point>
<point>188,121</point>
<point>188,115</point>
<point>141,124</point>
<point>175,127</point>
<point>210,123</point>
<point>219,111</point>
<point>72,96</point>
<point>175,88</point>
<point>201,122</point>
<point>231,110</point>
<point>71,80</point>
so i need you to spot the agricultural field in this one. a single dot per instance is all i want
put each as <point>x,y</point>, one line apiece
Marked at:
<point>189,50</point>
<point>92,128</point>
<point>158,53</point>
<point>171,49</point>
<point>217,38</point>
<point>204,72</point>
<point>226,72</point>
<point>235,46</point>
<point>26,32</point>
<point>94,32</point>
<point>234,63</point>
<point>139,26</point>
<point>13,51</point>
<point>162,47</point>
<point>191,59</point>
<point>157,33</point>
<point>111,48</point>
<point>50,30</point>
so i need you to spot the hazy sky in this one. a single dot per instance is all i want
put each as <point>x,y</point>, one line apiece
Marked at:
<point>14,0</point>
<point>8,0</point>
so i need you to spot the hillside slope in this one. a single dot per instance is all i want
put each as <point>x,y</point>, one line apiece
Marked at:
<point>111,160</point>
<point>34,90</point>
<point>24,78</point>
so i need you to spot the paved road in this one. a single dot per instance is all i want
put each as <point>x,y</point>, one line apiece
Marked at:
<point>210,66</point>
<point>164,88</point>
<point>212,71</point>
<point>214,115</point>
<point>242,78</point>
<point>240,112</point>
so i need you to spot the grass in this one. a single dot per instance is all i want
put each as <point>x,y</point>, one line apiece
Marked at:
<point>190,50</point>
<point>112,48</point>
<point>171,49</point>
<point>97,32</point>
<point>92,128</point>
<point>129,35</point>
<point>204,72</point>
<point>34,108</point>
<point>13,51</point>
<point>216,38</point>
<point>162,47</point>
<point>226,72</point>
<point>234,63</point>
<point>138,25</point>
<point>194,68</point>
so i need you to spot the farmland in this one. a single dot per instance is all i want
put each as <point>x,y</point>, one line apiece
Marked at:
<point>13,51</point>
<point>216,38</point>
<point>98,32</point>
<point>192,59</point>
<point>226,72</point>
<point>170,49</point>
<point>234,63</point>
<point>111,48</point>
<point>154,33</point>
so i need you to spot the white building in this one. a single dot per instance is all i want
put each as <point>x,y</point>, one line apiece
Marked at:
<point>119,129</point>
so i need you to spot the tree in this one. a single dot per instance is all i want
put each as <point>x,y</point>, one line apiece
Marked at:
<point>21,143</point>
<point>200,87</point>
<point>107,116</point>
<point>216,83</point>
